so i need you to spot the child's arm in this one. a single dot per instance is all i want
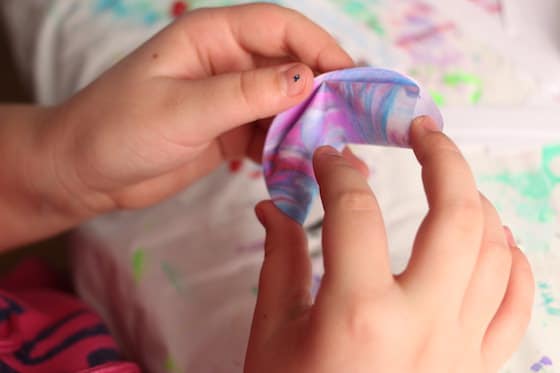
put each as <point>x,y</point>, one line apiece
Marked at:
<point>197,93</point>
<point>32,203</point>
<point>462,305</point>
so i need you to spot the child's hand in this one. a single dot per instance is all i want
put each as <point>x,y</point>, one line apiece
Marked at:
<point>174,109</point>
<point>462,305</point>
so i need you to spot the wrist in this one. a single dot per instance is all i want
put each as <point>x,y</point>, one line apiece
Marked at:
<point>31,203</point>
<point>46,173</point>
<point>55,176</point>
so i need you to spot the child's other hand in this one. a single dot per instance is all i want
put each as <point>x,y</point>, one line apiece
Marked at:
<point>462,305</point>
<point>195,95</point>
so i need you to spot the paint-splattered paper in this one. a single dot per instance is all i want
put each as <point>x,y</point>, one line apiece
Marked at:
<point>186,271</point>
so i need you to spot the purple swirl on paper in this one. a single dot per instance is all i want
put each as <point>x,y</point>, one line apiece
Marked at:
<point>354,106</point>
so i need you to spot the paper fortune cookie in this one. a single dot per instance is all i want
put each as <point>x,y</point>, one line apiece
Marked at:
<point>352,106</point>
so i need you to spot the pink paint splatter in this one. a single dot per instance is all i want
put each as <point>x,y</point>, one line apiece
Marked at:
<point>178,8</point>
<point>491,6</point>
<point>425,34</point>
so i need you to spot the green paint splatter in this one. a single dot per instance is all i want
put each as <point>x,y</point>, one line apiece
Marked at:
<point>438,98</point>
<point>460,78</point>
<point>548,299</point>
<point>373,22</point>
<point>172,276</point>
<point>138,263</point>
<point>531,200</point>
<point>476,96</point>
<point>535,186</point>
<point>531,184</point>
<point>535,190</point>
<point>255,290</point>
<point>169,365</point>
<point>354,7</point>
<point>551,154</point>
<point>363,12</point>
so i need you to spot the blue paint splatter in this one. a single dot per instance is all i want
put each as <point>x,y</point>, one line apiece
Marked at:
<point>142,11</point>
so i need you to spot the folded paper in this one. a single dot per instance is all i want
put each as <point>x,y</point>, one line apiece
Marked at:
<point>354,106</point>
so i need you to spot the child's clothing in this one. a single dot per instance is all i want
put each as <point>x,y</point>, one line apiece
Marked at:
<point>45,330</point>
<point>177,282</point>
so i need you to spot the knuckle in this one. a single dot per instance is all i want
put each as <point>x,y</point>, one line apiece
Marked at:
<point>368,319</point>
<point>437,147</point>
<point>299,299</point>
<point>466,213</point>
<point>362,321</point>
<point>356,199</point>
<point>437,140</point>
<point>245,83</point>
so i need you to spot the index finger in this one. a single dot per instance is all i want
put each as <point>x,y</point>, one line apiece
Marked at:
<point>448,242</point>
<point>354,240</point>
<point>275,31</point>
<point>232,39</point>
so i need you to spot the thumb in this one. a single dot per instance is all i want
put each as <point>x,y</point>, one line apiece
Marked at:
<point>220,103</point>
<point>285,280</point>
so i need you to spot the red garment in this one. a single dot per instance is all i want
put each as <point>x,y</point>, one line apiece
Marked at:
<point>43,329</point>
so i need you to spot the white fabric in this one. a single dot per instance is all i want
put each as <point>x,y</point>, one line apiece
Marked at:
<point>177,282</point>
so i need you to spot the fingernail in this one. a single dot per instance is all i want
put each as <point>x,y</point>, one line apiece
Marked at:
<point>509,237</point>
<point>327,150</point>
<point>426,123</point>
<point>294,79</point>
